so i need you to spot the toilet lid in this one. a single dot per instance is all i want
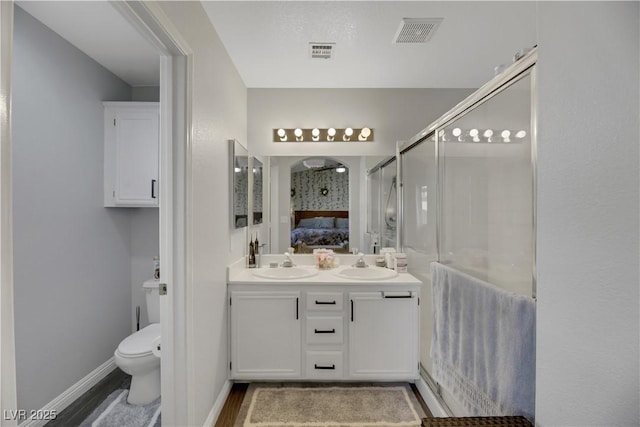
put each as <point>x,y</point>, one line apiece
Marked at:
<point>139,343</point>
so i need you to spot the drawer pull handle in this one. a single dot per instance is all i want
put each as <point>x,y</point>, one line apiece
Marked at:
<point>332,367</point>
<point>394,295</point>
<point>325,331</point>
<point>325,302</point>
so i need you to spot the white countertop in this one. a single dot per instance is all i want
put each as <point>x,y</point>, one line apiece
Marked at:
<point>238,273</point>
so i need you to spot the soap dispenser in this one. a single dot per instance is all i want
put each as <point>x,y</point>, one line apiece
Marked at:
<point>252,254</point>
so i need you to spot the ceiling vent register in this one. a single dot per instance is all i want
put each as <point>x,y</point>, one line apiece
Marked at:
<point>321,50</point>
<point>416,30</point>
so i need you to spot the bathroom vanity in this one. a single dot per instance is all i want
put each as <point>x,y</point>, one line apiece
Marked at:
<point>339,324</point>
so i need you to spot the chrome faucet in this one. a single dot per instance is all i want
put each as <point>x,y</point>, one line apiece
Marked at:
<point>288,262</point>
<point>360,263</point>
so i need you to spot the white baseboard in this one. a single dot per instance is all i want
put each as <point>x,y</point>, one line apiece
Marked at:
<point>72,393</point>
<point>430,399</point>
<point>219,403</point>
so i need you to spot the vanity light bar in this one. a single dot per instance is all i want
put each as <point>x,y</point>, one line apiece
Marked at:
<point>322,135</point>
<point>481,135</point>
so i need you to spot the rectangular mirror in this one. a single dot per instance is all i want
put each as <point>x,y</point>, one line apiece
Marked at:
<point>239,168</point>
<point>257,191</point>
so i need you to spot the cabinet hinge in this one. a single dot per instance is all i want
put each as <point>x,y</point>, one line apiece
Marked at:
<point>229,301</point>
<point>163,289</point>
<point>418,300</point>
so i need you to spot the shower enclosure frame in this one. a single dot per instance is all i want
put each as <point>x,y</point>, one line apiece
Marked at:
<point>379,167</point>
<point>523,68</point>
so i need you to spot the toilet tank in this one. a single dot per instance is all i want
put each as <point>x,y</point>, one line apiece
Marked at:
<point>152,294</point>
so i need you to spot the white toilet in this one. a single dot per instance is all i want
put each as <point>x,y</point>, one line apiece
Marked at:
<point>137,356</point>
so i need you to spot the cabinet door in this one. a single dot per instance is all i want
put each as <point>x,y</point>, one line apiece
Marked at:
<point>383,335</point>
<point>137,139</point>
<point>265,335</point>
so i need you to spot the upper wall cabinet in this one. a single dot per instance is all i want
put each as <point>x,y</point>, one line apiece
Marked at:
<point>131,153</point>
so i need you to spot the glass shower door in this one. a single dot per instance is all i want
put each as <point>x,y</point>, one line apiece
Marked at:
<point>418,234</point>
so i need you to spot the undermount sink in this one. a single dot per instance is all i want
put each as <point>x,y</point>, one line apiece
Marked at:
<point>366,273</point>
<point>285,273</point>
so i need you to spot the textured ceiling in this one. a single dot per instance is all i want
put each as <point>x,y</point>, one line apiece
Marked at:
<point>269,42</point>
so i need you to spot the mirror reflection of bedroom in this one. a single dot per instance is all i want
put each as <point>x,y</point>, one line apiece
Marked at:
<point>319,205</point>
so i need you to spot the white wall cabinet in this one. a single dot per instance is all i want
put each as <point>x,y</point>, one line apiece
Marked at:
<point>266,333</point>
<point>131,154</point>
<point>331,332</point>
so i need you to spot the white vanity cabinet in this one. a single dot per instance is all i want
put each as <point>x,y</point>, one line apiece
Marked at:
<point>382,330</point>
<point>265,334</point>
<point>324,332</point>
<point>131,154</point>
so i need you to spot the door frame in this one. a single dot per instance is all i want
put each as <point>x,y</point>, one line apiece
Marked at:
<point>8,394</point>
<point>176,60</point>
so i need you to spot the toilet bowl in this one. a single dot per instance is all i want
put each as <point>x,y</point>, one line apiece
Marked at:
<point>135,356</point>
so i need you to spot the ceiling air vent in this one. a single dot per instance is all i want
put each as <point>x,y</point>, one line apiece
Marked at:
<point>416,30</point>
<point>321,50</point>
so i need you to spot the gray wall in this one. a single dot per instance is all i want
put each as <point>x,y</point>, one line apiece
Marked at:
<point>145,93</point>
<point>587,326</point>
<point>145,238</point>
<point>72,256</point>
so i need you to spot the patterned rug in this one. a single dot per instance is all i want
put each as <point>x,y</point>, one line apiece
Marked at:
<point>307,405</point>
<point>116,412</point>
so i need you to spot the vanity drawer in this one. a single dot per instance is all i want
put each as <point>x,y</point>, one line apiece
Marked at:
<point>324,330</point>
<point>324,301</point>
<point>324,364</point>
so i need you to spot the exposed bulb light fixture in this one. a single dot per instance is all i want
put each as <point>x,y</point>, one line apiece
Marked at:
<point>521,134</point>
<point>505,135</point>
<point>347,134</point>
<point>282,134</point>
<point>322,134</point>
<point>341,169</point>
<point>488,133</point>
<point>364,134</point>
<point>331,134</point>
<point>456,132</point>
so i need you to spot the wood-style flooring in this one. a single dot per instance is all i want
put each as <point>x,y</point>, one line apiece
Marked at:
<point>232,405</point>
<point>81,408</point>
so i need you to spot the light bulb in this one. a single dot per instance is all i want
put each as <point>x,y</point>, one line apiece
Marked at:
<point>473,133</point>
<point>298,134</point>
<point>341,169</point>
<point>315,134</point>
<point>488,133</point>
<point>237,169</point>
<point>282,134</point>
<point>365,133</point>
<point>347,134</point>
<point>505,135</point>
<point>456,132</point>
<point>331,133</point>
<point>521,134</point>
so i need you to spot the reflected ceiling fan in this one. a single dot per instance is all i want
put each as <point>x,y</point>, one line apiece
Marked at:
<point>320,164</point>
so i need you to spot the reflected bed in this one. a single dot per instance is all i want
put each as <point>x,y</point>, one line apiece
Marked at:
<point>326,229</point>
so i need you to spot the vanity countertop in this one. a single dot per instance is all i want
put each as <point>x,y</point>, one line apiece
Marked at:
<point>237,273</point>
